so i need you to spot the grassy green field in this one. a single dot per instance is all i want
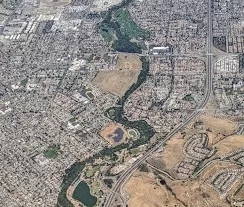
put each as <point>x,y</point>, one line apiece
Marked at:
<point>51,152</point>
<point>188,97</point>
<point>135,152</point>
<point>133,134</point>
<point>24,82</point>
<point>90,171</point>
<point>128,27</point>
<point>121,32</point>
<point>107,33</point>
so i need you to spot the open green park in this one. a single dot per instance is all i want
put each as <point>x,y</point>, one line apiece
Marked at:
<point>52,152</point>
<point>128,27</point>
<point>121,32</point>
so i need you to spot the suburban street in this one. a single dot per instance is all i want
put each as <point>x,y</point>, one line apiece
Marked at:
<point>208,91</point>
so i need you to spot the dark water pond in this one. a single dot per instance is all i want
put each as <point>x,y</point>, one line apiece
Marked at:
<point>162,182</point>
<point>82,193</point>
<point>118,135</point>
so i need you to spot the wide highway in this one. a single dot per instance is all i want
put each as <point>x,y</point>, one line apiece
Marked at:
<point>208,91</point>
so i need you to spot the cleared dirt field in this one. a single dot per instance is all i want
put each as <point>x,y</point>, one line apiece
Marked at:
<point>213,138</point>
<point>219,126</point>
<point>129,62</point>
<point>144,191</point>
<point>116,82</point>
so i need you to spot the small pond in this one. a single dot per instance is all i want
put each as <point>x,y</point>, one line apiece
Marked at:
<point>82,194</point>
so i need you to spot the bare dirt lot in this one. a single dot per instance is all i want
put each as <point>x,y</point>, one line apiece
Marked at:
<point>116,82</point>
<point>129,62</point>
<point>144,191</point>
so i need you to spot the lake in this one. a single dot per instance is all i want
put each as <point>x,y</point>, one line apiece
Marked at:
<point>82,194</point>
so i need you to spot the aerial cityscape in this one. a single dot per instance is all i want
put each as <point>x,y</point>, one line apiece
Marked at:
<point>122,103</point>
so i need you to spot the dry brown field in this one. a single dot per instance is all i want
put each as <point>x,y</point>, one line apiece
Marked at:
<point>199,192</point>
<point>173,151</point>
<point>128,62</point>
<point>144,191</point>
<point>116,82</point>
<point>219,125</point>
<point>229,144</point>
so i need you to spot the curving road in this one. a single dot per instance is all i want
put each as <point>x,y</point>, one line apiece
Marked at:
<point>208,91</point>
